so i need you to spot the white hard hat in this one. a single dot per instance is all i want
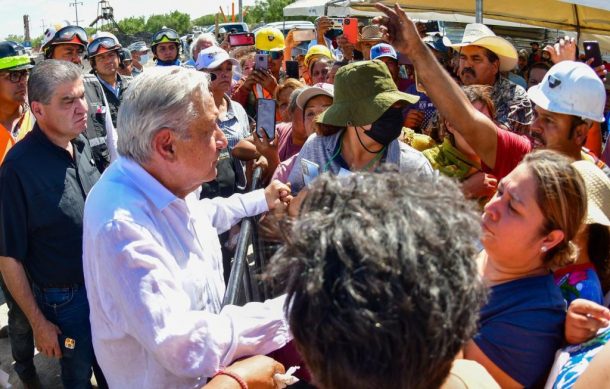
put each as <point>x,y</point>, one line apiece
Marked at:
<point>571,88</point>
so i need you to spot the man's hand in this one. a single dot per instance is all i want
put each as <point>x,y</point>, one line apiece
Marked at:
<point>414,119</point>
<point>277,194</point>
<point>480,185</point>
<point>257,371</point>
<point>45,336</point>
<point>584,319</point>
<point>401,31</point>
<point>564,50</point>
<point>249,81</point>
<point>323,24</point>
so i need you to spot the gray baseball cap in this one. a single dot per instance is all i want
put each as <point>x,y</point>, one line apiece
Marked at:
<point>138,46</point>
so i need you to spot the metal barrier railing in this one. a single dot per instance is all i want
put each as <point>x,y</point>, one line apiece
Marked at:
<point>243,281</point>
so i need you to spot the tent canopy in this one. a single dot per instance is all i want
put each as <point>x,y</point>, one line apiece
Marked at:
<point>553,14</point>
<point>337,8</point>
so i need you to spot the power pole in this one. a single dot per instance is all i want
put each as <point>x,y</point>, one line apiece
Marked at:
<point>26,28</point>
<point>75,5</point>
<point>241,12</point>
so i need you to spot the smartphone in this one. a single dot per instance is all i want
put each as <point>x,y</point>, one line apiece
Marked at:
<point>310,170</point>
<point>350,30</point>
<point>265,118</point>
<point>304,35</point>
<point>418,85</point>
<point>292,69</point>
<point>67,345</point>
<point>592,51</point>
<point>241,39</point>
<point>261,62</point>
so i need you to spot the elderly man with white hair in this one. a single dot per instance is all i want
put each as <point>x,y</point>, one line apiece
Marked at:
<point>202,42</point>
<point>152,260</point>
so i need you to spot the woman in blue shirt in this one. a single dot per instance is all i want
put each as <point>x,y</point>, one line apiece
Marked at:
<point>527,228</point>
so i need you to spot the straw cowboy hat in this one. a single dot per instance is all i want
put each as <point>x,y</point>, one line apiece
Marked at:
<point>477,34</point>
<point>597,185</point>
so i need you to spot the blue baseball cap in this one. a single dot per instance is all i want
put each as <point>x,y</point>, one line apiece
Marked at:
<point>383,50</point>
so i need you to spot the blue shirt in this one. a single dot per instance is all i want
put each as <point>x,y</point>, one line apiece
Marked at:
<point>522,327</point>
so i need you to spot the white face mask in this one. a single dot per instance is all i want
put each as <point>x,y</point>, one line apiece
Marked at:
<point>144,59</point>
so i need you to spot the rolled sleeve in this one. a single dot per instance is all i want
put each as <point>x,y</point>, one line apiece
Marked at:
<point>226,212</point>
<point>143,294</point>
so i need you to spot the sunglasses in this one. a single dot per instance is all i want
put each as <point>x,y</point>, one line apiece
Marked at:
<point>68,33</point>
<point>271,54</point>
<point>16,76</point>
<point>106,42</point>
<point>168,35</point>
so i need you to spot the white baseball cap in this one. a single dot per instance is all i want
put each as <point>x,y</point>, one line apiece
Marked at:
<point>319,89</point>
<point>213,57</point>
<point>571,88</point>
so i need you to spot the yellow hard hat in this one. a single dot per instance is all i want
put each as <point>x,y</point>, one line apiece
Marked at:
<point>269,39</point>
<point>317,50</point>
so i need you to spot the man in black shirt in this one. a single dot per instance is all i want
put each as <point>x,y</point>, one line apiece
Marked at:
<point>43,184</point>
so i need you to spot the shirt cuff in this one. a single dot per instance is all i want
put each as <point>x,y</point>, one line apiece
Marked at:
<point>255,202</point>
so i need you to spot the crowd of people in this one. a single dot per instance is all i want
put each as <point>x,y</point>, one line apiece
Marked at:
<point>122,190</point>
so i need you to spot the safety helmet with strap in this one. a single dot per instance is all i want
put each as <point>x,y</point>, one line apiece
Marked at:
<point>103,42</point>
<point>57,35</point>
<point>165,35</point>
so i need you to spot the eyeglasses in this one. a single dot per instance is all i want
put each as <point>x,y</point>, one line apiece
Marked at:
<point>106,42</point>
<point>167,35</point>
<point>68,33</point>
<point>16,76</point>
<point>272,54</point>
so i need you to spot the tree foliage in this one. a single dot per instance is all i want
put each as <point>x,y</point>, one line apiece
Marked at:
<point>133,24</point>
<point>15,38</point>
<point>205,20</point>
<point>267,11</point>
<point>179,21</point>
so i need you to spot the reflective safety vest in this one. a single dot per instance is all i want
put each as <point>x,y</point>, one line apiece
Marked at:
<point>8,140</point>
<point>96,121</point>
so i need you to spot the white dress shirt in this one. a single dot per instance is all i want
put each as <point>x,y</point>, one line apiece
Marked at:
<point>154,277</point>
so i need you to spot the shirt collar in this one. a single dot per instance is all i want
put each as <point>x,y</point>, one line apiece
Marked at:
<point>160,196</point>
<point>115,90</point>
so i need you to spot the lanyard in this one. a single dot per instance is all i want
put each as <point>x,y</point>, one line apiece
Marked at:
<point>368,165</point>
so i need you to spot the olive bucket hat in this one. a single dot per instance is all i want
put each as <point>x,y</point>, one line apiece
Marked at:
<point>363,92</point>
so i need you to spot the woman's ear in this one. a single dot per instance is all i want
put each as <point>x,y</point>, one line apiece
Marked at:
<point>552,239</point>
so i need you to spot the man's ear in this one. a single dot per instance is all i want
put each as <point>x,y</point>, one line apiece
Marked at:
<point>580,133</point>
<point>37,109</point>
<point>164,144</point>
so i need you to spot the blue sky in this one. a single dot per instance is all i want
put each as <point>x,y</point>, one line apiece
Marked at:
<point>55,11</point>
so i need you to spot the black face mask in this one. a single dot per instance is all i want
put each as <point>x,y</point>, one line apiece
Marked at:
<point>387,128</point>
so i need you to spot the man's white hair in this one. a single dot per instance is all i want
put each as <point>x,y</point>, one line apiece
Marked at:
<point>161,97</point>
<point>204,37</point>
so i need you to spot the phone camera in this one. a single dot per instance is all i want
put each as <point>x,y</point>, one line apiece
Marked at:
<point>346,21</point>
